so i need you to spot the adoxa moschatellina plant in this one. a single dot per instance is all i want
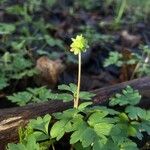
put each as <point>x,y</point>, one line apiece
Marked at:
<point>88,127</point>
<point>79,45</point>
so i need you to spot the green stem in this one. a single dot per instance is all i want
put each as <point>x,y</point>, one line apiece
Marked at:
<point>76,102</point>
<point>121,11</point>
<point>137,66</point>
<point>53,147</point>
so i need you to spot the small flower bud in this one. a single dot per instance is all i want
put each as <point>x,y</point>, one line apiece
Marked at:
<point>79,44</point>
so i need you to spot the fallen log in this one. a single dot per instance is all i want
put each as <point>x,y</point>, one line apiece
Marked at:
<point>11,119</point>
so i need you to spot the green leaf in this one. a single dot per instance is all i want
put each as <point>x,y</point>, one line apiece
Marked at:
<point>115,58</point>
<point>58,129</point>
<point>20,63</point>
<point>41,124</point>
<point>145,126</point>
<point>135,112</point>
<point>53,42</point>
<point>123,117</point>
<point>78,146</point>
<point>50,3</point>
<point>83,134</point>
<point>18,45</point>
<point>103,129</point>
<point>128,97</point>
<point>16,147</point>
<point>147,115</point>
<point>30,145</point>
<point>97,117</point>
<point>21,98</point>
<point>132,131</point>
<point>15,9</point>
<point>65,97</point>
<point>40,136</point>
<point>67,114</point>
<point>40,94</point>
<point>77,122</point>
<point>86,95</point>
<point>119,132</point>
<point>104,144</point>
<point>97,145</point>
<point>64,87</point>
<point>102,108</point>
<point>82,106</point>
<point>127,144</point>
<point>73,87</point>
<point>3,83</point>
<point>36,95</point>
<point>40,127</point>
<point>88,137</point>
<point>6,28</point>
<point>24,73</point>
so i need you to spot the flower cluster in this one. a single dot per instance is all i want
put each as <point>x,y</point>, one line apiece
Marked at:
<point>79,44</point>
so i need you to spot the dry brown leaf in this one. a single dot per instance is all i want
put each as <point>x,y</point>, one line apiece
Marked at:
<point>130,40</point>
<point>49,71</point>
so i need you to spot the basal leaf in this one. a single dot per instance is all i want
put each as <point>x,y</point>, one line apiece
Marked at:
<point>40,136</point>
<point>135,112</point>
<point>21,98</point>
<point>103,129</point>
<point>3,83</point>
<point>67,114</point>
<point>83,134</point>
<point>132,131</point>
<point>58,129</point>
<point>16,147</point>
<point>88,137</point>
<point>127,144</point>
<point>115,58</point>
<point>41,124</point>
<point>145,126</point>
<point>128,97</point>
<point>6,28</point>
<point>30,145</point>
<point>97,117</point>
<point>123,117</point>
<point>110,111</point>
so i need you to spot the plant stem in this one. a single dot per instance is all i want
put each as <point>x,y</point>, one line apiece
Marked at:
<point>76,102</point>
<point>121,11</point>
<point>137,66</point>
<point>53,147</point>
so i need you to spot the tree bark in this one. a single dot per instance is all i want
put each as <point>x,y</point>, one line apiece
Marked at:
<point>11,119</point>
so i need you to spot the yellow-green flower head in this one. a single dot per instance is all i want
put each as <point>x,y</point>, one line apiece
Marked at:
<point>79,44</point>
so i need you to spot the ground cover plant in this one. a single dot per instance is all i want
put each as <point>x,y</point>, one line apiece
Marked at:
<point>111,43</point>
<point>141,61</point>
<point>87,127</point>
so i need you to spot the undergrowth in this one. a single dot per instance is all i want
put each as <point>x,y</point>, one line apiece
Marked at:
<point>90,127</point>
<point>114,127</point>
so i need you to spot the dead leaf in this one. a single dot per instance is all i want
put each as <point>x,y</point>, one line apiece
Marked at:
<point>49,71</point>
<point>130,40</point>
